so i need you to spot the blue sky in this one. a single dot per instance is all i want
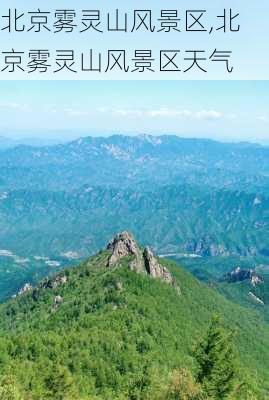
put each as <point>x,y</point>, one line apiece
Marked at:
<point>225,110</point>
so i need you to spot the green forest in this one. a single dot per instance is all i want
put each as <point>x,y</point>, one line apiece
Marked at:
<point>95,333</point>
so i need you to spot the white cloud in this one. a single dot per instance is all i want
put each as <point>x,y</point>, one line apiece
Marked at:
<point>263,118</point>
<point>76,113</point>
<point>168,113</point>
<point>16,106</point>
<point>209,114</point>
<point>128,113</point>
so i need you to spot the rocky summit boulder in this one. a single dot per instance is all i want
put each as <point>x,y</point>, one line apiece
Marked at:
<point>143,261</point>
<point>124,245</point>
<point>154,269</point>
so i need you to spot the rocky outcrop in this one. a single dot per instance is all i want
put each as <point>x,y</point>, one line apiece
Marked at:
<point>25,289</point>
<point>124,245</point>
<point>50,283</point>
<point>58,300</point>
<point>119,286</point>
<point>255,298</point>
<point>240,275</point>
<point>54,283</point>
<point>155,269</point>
<point>255,280</point>
<point>206,247</point>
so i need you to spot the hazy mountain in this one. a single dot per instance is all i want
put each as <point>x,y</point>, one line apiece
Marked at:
<point>173,219</point>
<point>7,142</point>
<point>179,195</point>
<point>137,161</point>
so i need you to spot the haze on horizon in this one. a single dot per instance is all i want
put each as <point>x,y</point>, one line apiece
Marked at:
<point>65,110</point>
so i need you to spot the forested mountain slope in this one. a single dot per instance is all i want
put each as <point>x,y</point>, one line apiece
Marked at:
<point>116,326</point>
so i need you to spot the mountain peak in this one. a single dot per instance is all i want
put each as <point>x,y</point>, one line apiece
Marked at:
<point>123,245</point>
<point>143,261</point>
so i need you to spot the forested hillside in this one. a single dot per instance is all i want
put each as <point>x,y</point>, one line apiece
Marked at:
<point>112,329</point>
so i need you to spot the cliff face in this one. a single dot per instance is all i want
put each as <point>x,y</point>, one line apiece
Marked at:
<point>124,245</point>
<point>154,269</point>
<point>144,261</point>
<point>240,275</point>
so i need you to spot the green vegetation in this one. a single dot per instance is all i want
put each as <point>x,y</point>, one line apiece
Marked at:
<point>172,219</point>
<point>213,270</point>
<point>112,334</point>
<point>115,334</point>
<point>215,357</point>
<point>9,389</point>
<point>177,195</point>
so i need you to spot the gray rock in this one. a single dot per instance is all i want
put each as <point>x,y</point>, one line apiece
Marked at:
<point>58,300</point>
<point>240,275</point>
<point>119,286</point>
<point>26,288</point>
<point>124,245</point>
<point>54,283</point>
<point>154,269</point>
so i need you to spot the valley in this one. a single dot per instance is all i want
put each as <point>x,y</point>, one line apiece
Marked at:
<point>61,203</point>
<point>115,255</point>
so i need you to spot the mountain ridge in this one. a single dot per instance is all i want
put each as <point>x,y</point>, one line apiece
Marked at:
<point>140,158</point>
<point>106,325</point>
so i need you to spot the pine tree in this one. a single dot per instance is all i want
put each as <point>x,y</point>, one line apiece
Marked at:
<point>60,384</point>
<point>183,386</point>
<point>216,361</point>
<point>9,389</point>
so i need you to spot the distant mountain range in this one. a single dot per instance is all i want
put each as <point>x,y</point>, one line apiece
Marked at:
<point>7,142</point>
<point>126,161</point>
<point>181,196</point>
<point>173,219</point>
